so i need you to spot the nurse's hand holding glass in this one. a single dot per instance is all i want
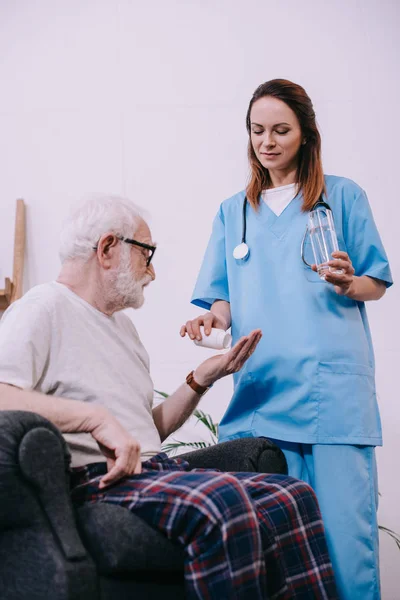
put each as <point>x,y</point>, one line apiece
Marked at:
<point>343,280</point>
<point>310,386</point>
<point>342,276</point>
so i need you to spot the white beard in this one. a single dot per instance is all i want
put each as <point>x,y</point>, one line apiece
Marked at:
<point>127,291</point>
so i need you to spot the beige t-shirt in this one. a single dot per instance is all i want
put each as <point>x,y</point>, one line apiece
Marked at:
<point>54,342</point>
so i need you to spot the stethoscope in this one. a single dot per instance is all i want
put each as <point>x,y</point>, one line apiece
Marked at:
<point>242,252</point>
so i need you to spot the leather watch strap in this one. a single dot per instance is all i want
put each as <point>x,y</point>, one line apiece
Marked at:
<point>199,389</point>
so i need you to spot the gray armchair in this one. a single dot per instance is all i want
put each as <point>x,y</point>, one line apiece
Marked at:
<point>49,550</point>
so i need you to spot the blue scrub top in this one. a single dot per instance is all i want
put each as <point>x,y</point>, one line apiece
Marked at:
<point>311,379</point>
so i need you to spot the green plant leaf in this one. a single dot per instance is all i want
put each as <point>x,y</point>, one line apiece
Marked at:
<point>395,536</point>
<point>207,421</point>
<point>172,447</point>
<point>201,416</point>
<point>163,394</point>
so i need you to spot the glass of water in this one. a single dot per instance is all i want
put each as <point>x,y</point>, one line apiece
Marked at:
<point>321,229</point>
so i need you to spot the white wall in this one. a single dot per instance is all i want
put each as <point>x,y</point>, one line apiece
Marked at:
<point>149,100</point>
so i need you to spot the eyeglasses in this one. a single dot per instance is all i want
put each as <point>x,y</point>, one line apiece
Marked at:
<point>151,249</point>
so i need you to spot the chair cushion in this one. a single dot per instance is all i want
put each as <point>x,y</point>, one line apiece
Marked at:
<point>119,541</point>
<point>246,454</point>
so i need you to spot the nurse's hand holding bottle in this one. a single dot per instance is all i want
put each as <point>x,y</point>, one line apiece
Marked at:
<point>218,318</point>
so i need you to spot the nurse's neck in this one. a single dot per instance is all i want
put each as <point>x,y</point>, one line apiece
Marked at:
<point>281,177</point>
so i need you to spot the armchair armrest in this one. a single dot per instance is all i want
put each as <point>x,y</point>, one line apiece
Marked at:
<point>248,455</point>
<point>41,553</point>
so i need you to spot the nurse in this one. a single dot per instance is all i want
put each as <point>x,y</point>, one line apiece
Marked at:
<point>310,386</point>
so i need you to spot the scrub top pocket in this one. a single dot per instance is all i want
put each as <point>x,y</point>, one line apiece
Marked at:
<point>347,407</point>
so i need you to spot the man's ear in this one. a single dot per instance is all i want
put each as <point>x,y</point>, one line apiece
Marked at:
<point>106,249</point>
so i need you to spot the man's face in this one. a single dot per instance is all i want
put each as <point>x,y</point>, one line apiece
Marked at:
<point>133,274</point>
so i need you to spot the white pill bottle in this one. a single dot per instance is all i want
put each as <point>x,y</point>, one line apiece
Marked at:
<point>218,339</point>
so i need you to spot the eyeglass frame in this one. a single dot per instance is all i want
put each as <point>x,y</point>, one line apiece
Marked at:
<point>152,249</point>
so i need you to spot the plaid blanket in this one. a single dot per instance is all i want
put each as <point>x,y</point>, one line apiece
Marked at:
<point>245,535</point>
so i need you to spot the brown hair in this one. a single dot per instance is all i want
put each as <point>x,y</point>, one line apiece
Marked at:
<point>310,173</point>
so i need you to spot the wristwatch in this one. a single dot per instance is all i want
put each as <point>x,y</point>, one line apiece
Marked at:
<point>199,389</point>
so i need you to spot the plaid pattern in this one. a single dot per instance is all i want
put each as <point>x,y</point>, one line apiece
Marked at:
<point>246,535</point>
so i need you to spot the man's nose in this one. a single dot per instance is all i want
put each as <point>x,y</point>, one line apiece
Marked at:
<point>152,271</point>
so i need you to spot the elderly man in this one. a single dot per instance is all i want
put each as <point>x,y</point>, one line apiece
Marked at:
<point>68,353</point>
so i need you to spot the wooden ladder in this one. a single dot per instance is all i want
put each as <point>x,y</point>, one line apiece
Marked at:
<point>13,288</point>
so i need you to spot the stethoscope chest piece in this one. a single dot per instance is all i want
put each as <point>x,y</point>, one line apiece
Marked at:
<point>241,252</point>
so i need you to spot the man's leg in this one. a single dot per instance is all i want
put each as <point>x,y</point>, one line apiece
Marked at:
<point>297,562</point>
<point>208,512</point>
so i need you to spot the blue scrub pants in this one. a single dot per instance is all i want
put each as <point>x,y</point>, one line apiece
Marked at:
<point>344,479</point>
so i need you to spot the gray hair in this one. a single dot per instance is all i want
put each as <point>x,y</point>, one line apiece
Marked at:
<point>97,216</point>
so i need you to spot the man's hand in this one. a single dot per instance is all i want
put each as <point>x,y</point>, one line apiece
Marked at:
<point>119,447</point>
<point>221,365</point>
<point>177,408</point>
<point>74,416</point>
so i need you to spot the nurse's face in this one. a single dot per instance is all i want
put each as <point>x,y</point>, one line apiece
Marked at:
<point>276,136</point>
